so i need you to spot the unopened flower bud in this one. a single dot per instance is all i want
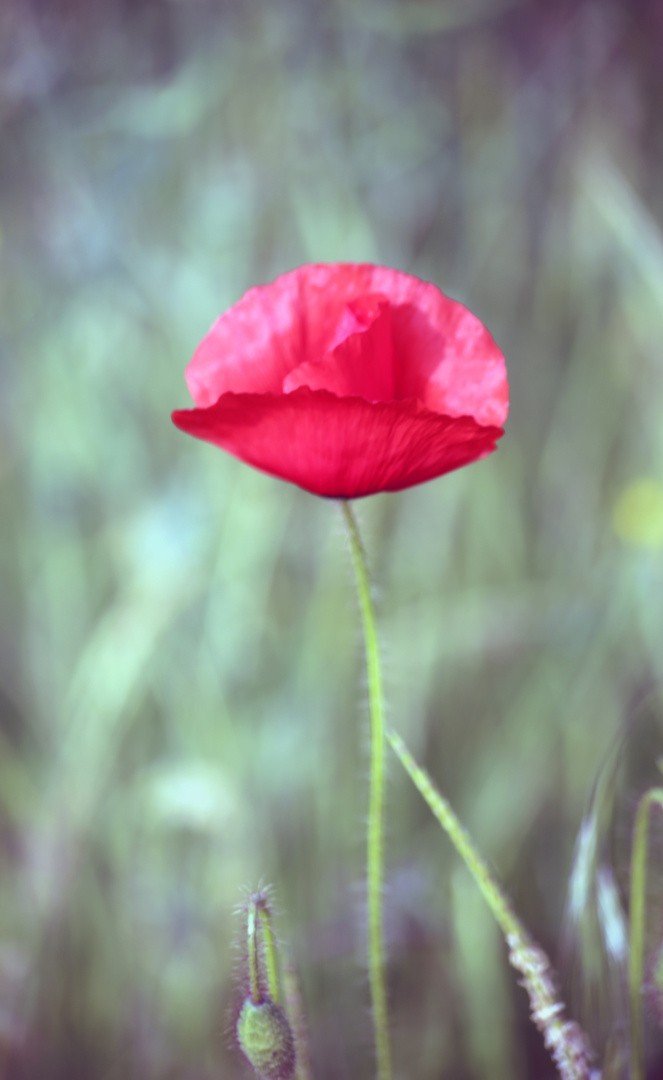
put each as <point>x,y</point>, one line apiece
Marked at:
<point>265,1037</point>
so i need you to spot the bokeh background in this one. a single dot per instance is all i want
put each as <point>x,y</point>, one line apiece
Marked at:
<point>182,703</point>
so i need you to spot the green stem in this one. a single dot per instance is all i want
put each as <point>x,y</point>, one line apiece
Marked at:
<point>567,1043</point>
<point>375,844</point>
<point>653,797</point>
<point>506,919</point>
<point>269,947</point>
<point>252,949</point>
<point>260,920</point>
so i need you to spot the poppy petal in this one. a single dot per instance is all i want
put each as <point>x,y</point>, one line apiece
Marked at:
<point>273,329</point>
<point>448,360</point>
<point>362,363</point>
<point>443,355</point>
<point>339,447</point>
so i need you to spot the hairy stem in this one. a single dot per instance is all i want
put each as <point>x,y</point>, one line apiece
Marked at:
<point>567,1043</point>
<point>253,954</point>
<point>507,921</point>
<point>375,843</point>
<point>269,946</point>
<point>261,949</point>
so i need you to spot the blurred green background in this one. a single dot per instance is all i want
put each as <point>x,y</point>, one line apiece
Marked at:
<point>182,699</point>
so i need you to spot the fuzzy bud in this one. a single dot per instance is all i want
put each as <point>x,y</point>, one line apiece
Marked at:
<point>265,1038</point>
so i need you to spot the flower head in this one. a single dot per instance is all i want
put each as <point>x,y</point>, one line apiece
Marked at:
<point>348,379</point>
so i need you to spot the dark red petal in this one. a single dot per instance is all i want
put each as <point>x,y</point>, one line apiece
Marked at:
<point>339,447</point>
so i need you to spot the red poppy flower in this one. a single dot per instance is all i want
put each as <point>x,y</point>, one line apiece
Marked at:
<point>348,379</point>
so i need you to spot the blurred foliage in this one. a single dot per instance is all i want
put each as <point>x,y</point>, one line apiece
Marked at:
<point>181,690</point>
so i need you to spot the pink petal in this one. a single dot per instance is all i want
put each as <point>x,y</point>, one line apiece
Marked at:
<point>442,354</point>
<point>362,363</point>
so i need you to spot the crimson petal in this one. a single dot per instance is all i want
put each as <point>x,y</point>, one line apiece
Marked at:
<point>340,447</point>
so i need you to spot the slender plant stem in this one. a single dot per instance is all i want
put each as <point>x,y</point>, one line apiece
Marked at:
<point>252,948</point>
<point>262,961</point>
<point>269,948</point>
<point>653,797</point>
<point>567,1043</point>
<point>506,919</point>
<point>375,843</point>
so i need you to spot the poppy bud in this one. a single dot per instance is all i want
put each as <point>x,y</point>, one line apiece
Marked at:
<point>266,1039</point>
